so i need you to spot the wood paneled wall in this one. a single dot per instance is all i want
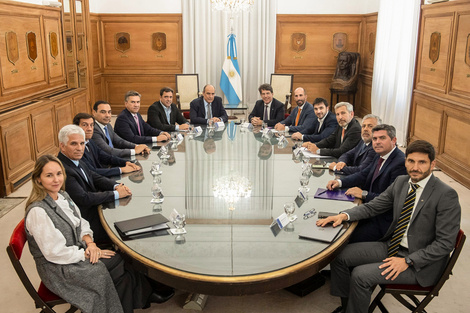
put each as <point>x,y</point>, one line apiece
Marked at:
<point>140,67</point>
<point>313,68</point>
<point>440,110</point>
<point>26,77</point>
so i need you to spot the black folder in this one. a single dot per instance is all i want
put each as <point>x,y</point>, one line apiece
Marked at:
<point>142,224</point>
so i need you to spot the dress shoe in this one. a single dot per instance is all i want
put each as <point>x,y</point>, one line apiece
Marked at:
<point>161,296</point>
<point>338,310</point>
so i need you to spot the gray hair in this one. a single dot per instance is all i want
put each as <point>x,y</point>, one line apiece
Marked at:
<point>68,130</point>
<point>348,106</point>
<point>378,119</point>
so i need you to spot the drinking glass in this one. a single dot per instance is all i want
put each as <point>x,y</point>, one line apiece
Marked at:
<point>305,161</point>
<point>157,194</point>
<point>289,208</point>
<point>210,124</point>
<point>179,221</point>
<point>155,170</point>
<point>304,180</point>
<point>174,137</point>
<point>164,152</point>
<point>191,129</point>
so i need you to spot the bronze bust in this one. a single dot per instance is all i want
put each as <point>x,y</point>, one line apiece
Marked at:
<point>347,69</point>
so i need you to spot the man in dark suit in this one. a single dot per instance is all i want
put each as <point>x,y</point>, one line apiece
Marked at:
<point>344,138</point>
<point>99,160</point>
<point>165,115</point>
<point>357,159</point>
<point>86,188</point>
<point>267,110</point>
<point>131,126</point>
<point>323,126</point>
<point>418,253</point>
<point>105,137</point>
<point>208,107</point>
<point>388,164</point>
<point>301,117</point>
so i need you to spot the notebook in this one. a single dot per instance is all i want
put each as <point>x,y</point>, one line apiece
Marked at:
<point>324,234</point>
<point>142,224</point>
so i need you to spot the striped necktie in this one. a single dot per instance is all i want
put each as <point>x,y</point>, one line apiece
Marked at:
<point>403,221</point>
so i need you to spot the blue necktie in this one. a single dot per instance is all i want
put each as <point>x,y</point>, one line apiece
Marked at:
<point>107,136</point>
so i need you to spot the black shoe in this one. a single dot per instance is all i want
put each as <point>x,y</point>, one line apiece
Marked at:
<point>338,310</point>
<point>161,296</point>
<point>326,273</point>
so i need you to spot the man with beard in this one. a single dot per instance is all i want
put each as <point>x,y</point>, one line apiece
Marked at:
<point>345,137</point>
<point>323,126</point>
<point>357,159</point>
<point>301,117</point>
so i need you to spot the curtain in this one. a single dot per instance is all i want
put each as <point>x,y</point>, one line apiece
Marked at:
<point>205,44</point>
<point>394,64</point>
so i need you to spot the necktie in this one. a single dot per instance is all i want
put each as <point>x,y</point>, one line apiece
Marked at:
<point>209,111</point>
<point>342,134</point>
<point>377,168</point>
<point>110,143</point>
<point>403,221</point>
<point>265,115</point>
<point>298,116</point>
<point>138,124</point>
<point>83,172</point>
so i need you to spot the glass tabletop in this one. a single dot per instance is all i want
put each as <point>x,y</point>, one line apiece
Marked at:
<point>231,185</point>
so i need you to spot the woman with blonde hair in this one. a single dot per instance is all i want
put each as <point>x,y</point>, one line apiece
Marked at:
<point>68,261</point>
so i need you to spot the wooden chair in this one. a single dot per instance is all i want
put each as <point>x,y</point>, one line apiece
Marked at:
<point>411,291</point>
<point>282,87</point>
<point>43,298</point>
<point>187,89</point>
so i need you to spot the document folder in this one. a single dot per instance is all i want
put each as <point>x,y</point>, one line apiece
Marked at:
<point>325,234</point>
<point>337,194</point>
<point>142,224</point>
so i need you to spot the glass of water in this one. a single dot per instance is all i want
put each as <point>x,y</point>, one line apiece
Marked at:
<point>156,166</point>
<point>304,180</point>
<point>157,194</point>
<point>289,208</point>
<point>179,222</point>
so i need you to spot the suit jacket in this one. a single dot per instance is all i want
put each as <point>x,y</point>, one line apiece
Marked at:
<point>126,127</point>
<point>375,228</point>
<point>88,195</point>
<point>306,119</point>
<point>358,158</point>
<point>197,111</point>
<point>313,134</point>
<point>122,148</point>
<point>433,226</point>
<point>276,112</point>
<point>332,144</point>
<point>98,160</point>
<point>156,117</point>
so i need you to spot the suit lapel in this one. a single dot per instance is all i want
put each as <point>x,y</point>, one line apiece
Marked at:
<point>386,164</point>
<point>427,192</point>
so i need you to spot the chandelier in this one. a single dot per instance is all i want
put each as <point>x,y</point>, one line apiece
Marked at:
<point>232,6</point>
<point>231,188</point>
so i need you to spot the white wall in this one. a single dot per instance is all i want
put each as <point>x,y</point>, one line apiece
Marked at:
<point>283,6</point>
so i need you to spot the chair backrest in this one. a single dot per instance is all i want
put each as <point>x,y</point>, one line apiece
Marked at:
<point>452,260</point>
<point>15,250</point>
<point>187,89</point>
<point>282,87</point>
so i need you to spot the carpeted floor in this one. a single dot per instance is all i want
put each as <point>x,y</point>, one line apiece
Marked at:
<point>6,204</point>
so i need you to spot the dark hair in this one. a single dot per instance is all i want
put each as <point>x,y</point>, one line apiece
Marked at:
<point>391,131</point>
<point>267,87</point>
<point>97,103</point>
<point>81,116</point>
<point>166,89</point>
<point>421,146</point>
<point>320,100</point>
<point>131,93</point>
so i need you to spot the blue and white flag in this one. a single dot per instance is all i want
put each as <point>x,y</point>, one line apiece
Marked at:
<point>230,79</point>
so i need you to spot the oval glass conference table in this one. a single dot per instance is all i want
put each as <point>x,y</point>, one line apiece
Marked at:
<point>227,252</point>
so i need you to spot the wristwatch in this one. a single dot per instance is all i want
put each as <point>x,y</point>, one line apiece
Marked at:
<point>364,194</point>
<point>408,261</point>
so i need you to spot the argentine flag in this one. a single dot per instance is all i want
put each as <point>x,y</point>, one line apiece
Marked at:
<point>230,80</point>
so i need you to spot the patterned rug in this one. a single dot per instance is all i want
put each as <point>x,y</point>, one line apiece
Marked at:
<point>6,204</point>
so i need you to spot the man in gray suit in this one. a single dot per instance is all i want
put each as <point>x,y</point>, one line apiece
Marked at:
<point>416,247</point>
<point>105,137</point>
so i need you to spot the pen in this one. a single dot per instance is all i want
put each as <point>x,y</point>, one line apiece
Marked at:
<point>322,192</point>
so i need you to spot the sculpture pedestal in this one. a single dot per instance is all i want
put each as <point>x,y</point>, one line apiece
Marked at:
<point>342,92</point>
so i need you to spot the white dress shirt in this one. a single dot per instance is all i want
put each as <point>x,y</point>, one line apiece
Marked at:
<point>50,240</point>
